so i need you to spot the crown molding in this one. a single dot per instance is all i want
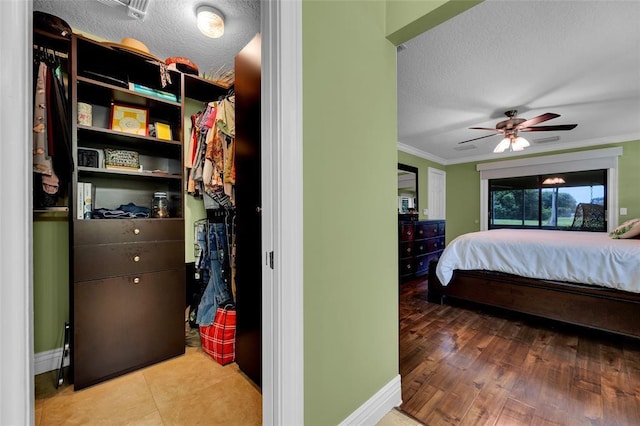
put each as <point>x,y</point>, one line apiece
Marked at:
<point>422,154</point>
<point>534,149</point>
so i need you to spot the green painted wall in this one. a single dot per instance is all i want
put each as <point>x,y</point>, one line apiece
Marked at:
<point>463,200</point>
<point>463,188</point>
<point>423,177</point>
<point>409,18</point>
<point>50,281</point>
<point>350,236</point>
<point>629,179</point>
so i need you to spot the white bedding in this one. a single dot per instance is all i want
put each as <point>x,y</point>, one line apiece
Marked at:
<point>572,256</point>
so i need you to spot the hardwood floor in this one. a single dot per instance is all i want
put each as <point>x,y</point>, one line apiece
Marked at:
<point>465,365</point>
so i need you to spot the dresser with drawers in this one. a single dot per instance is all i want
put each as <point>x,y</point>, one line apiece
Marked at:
<point>420,241</point>
<point>129,296</point>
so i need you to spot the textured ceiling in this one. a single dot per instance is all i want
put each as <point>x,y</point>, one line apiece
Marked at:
<point>579,59</point>
<point>169,28</point>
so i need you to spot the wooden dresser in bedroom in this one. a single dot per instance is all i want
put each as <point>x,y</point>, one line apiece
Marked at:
<point>420,242</point>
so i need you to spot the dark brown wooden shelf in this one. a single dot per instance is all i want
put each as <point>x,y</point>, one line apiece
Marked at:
<point>144,174</point>
<point>126,136</point>
<point>128,96</point>
<point>53,209</point>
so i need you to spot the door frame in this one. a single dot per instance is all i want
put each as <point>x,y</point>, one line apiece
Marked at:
<point>282,329</point>
<point>282,227</point>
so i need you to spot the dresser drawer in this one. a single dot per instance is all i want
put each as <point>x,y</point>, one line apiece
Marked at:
<point>427,229</point>
<point>111,260</point>
<point>107,231</point>
<point>407,266</point>
<point>407,231</point>
<point>120,325</point>
<point>428,245</point>
<point>434,244</point>
<point>422,262</point>
<point>441,228</point>
<point>407,249</point>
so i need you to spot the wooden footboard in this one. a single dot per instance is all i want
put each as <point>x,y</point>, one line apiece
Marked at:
<point>594,307</point>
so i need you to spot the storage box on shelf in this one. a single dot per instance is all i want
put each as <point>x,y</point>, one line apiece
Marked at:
<point>419,243</point>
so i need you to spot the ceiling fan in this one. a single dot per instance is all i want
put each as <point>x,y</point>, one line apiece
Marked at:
<point>510,128</point>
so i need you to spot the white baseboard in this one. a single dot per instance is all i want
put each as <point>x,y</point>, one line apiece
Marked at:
<point>48,361</point>
<point>373,410</point>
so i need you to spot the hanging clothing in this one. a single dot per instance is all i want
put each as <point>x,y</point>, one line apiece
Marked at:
<point>52,156</point>
<point>212,174</point>
<point>42,162</point>
<point>214,262</point>
<point>58,125</point>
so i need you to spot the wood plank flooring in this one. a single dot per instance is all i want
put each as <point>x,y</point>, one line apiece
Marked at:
<point>466,365</point>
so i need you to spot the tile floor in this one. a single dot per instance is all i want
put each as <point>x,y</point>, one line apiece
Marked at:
<point>188,390</point>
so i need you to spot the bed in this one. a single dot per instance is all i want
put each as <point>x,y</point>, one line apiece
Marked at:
<point>578,277</point>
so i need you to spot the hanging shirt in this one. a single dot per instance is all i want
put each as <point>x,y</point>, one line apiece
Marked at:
<point>41,159</point>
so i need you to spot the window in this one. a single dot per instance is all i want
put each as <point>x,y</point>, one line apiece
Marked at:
<point>574,200</point>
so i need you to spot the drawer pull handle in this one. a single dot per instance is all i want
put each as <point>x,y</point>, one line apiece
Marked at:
<point>136,258</point>
<point>136,280</point>
<point>136,231</point>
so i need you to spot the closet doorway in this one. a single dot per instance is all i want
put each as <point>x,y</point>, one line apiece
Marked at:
<point>283,313</point>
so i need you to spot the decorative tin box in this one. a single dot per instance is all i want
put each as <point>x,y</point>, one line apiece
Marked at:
<point>120,159</point>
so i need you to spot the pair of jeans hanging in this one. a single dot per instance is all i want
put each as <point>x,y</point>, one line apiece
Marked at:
<point>214,265</point>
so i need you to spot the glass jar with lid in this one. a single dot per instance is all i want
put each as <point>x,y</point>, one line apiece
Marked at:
<point>160,205</point>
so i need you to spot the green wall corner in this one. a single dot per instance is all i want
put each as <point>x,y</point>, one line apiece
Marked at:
<point>407,19</point>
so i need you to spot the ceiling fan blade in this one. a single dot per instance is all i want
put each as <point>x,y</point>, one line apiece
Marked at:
<point>549,128</point>
<point>535,120</point>
<point>487,128</point>
<point>481,137</point>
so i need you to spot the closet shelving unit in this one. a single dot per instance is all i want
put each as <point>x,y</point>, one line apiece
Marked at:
<point>128,275</point>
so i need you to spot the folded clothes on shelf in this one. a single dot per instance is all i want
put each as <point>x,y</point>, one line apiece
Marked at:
<point>125,211</point>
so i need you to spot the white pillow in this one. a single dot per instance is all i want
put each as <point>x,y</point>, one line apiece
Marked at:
<point>629,229</point>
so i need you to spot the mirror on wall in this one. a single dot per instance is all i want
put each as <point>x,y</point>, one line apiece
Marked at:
<point>407,189</point>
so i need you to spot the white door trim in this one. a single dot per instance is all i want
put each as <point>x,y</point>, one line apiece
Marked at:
<point>16,281</point>
<point>282,149</point>
<point>282,287</point>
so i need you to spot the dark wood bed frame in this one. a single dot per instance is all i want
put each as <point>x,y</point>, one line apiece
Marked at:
<point>598,308</point>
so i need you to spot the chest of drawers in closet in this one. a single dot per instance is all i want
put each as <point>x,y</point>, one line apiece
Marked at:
<point>419,243</point>
<point>128,291</point>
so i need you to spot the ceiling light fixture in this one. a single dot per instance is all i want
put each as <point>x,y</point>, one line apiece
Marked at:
<point>553,181</point>
<point>210,21</point>
<point>511,143</point>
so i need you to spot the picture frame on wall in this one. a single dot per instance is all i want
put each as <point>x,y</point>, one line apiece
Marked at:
<point>129,119</point>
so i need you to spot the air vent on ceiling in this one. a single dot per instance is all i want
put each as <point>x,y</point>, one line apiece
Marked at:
<point>545,140</point>
<point>136,8</point>
<point>464,147</point>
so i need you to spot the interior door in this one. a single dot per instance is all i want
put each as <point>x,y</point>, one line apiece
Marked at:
<point>248,211</point>
<point>437,193</point>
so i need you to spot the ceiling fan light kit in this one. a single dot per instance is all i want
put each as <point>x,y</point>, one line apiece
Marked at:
<point>512,144</point>
<point>514,124</point>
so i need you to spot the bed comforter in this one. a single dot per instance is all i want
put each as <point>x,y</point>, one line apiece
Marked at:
<point>571,256</point>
